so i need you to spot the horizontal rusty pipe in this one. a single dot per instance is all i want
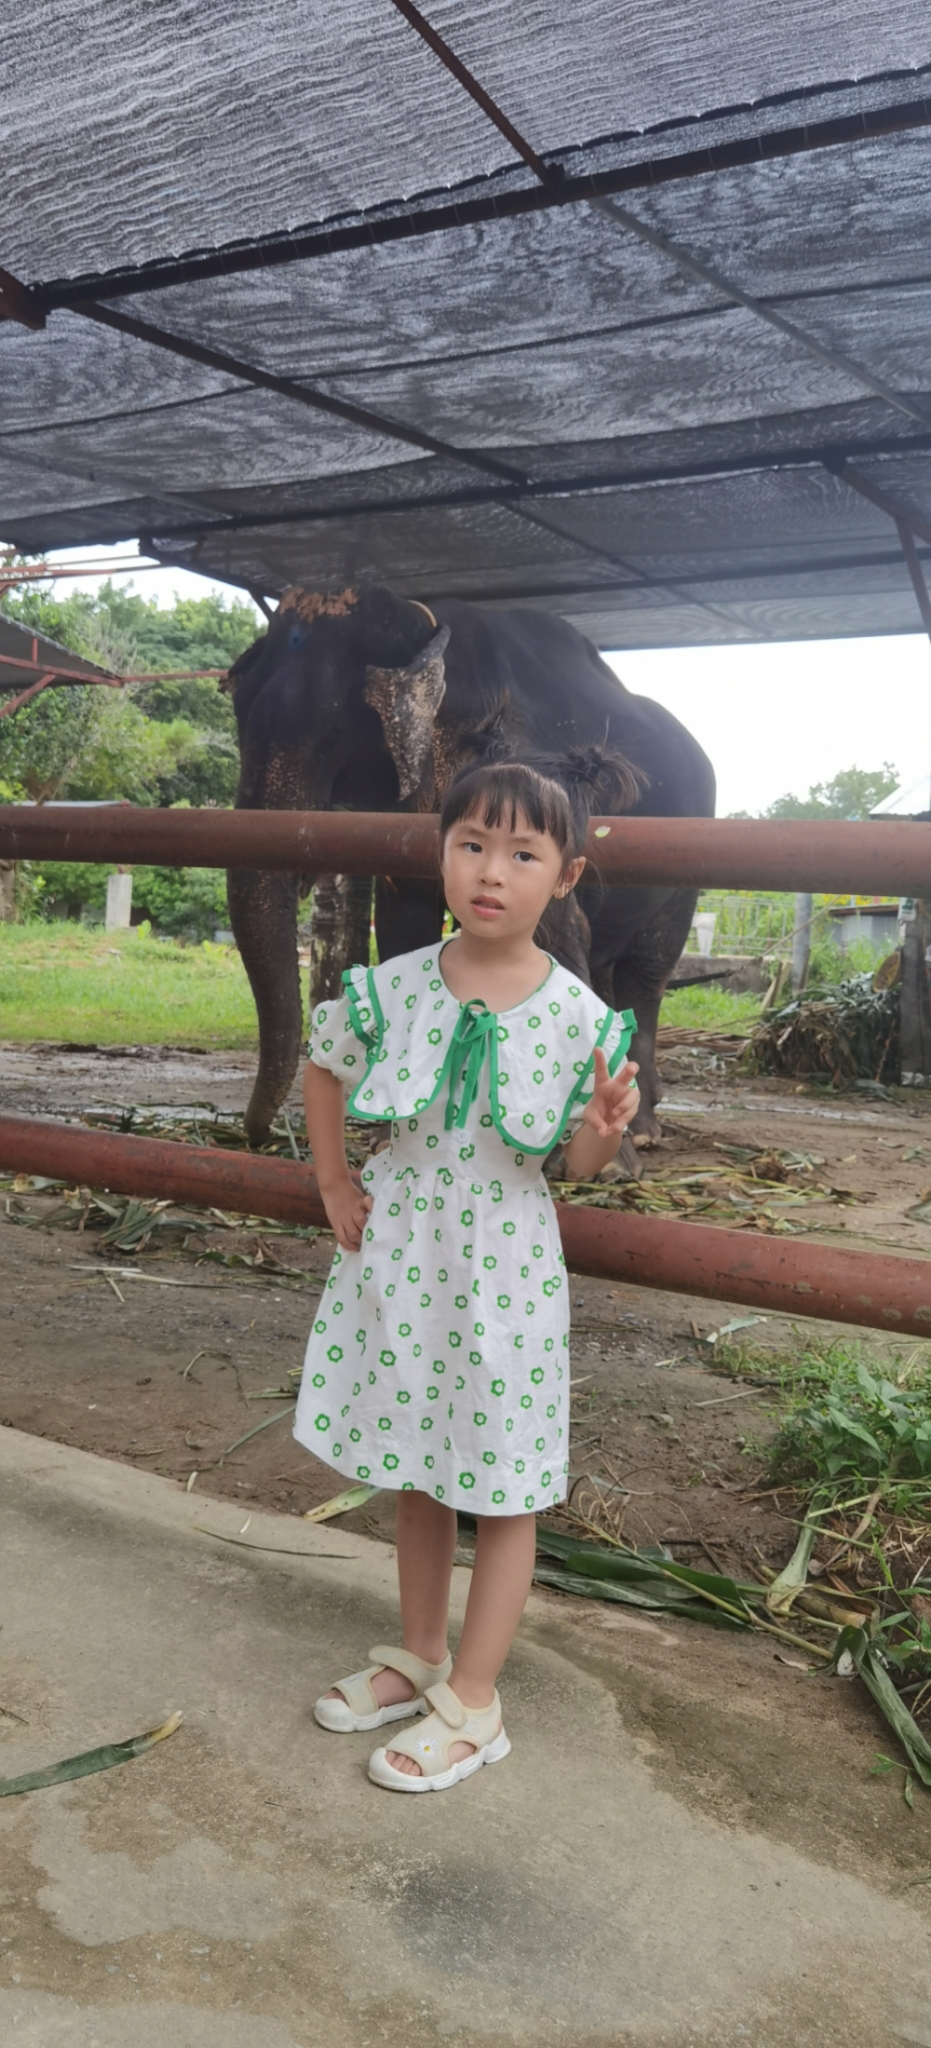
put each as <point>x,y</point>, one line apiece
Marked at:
<point>210,1177</point>
<point>887,858</point>
<point>793,1279</point>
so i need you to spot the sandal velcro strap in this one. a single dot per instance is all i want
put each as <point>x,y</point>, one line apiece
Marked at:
<point>420,1673</point>
<point>429,1744</point>
<point>354,1704</point>
<point>447,1704</point>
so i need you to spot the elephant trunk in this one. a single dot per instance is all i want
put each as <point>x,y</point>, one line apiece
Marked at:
<point>263,915</point>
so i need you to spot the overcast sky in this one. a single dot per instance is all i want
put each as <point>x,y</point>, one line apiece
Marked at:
<point>772,719</point>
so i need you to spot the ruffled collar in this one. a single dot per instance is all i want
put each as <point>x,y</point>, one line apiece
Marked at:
<point>421,1040</point>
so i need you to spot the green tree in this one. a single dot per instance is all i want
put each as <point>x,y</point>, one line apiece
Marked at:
<point>851,793</point>
<point>42,744</point>
<point>155,743</point>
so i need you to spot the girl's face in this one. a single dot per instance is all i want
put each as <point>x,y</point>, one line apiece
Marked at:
<point>499,879</point>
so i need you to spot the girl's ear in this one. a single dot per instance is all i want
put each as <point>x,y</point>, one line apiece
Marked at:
<point>572,875</point>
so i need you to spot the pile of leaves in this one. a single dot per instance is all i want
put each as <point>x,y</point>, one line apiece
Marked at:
<point>851,1462</point>
<point>846,1034</point>
<point>754,1187</point>
<point>882,1634</point>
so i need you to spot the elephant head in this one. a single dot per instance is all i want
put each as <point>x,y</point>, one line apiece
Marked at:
<point>336,707</point>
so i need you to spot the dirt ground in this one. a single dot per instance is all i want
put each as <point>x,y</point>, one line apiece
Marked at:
<point>155,1360</point>
<point>161,1360</point>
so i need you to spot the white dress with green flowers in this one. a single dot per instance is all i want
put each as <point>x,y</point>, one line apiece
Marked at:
<point>439,1357</point>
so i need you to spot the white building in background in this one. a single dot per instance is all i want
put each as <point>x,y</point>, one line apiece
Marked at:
<point>912,800</point>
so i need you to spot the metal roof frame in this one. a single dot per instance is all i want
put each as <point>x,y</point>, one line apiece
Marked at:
<point>588,558</point>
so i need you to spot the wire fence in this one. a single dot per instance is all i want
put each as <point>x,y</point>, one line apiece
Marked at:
<point>751,923</point>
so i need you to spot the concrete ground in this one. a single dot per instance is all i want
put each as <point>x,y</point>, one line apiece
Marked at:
<point>244,1886</point>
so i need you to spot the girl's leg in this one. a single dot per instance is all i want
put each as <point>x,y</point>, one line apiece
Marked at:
<point>426,1540</point>
<point>504,1557</point>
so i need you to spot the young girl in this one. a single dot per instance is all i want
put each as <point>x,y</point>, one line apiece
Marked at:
<point>438,1364</point>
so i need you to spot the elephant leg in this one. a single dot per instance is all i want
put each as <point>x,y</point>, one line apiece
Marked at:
<point>640,978</point>
<point>408,915</point>
<point>342,917</point>
<point>263,915</point>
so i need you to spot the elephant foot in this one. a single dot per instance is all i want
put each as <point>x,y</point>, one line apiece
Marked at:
<point>257,1135</point>
<point>257,1123</point>
<point>645,1129</point>
<point>628,1157</point>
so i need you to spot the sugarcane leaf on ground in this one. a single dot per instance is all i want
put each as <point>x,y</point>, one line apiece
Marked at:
<point>791,1580</point>
<point>341,1503</point>
<point>661,1601</point>
<point>89,1761</point>
<point>697,1594</point>
<point>556,1543</point>
<point>617,1568</point>
<point>269,1419</point>
<point>623,1567</point>
<point>853,1646</point>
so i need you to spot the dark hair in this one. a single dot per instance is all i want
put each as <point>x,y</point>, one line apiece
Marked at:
<point>496,791</point>
<point>556,794</point>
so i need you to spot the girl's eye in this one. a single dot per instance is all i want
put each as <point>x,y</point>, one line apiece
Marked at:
<point>471,846</point>
<point>523,854</point>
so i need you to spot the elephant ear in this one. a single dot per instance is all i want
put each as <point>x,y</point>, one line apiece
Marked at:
<point>407,701</point>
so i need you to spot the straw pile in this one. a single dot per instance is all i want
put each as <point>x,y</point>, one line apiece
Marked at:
<point>848,1033</point>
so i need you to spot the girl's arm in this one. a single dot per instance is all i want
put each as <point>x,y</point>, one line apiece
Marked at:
<point>346,1206</point>
<point>613,1106</point>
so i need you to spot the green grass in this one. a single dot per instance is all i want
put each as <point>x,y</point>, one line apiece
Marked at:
<point>116,988</point>
<point>853,1418</point>
<point>860,1428</point>
<point>710,1008</point>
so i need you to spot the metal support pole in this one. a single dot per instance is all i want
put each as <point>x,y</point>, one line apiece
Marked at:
<point>914,1002</point>
<point>801,942</point>
<point>787,1278</point>
<point>916,573</point>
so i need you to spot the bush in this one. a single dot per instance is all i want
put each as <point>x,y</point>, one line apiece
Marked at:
<point>829,967</point>
<point>861,1430</point>
<point>182,902</point>
<point>64,887</point>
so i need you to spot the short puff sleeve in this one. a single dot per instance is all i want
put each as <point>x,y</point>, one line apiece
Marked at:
<point>341,1031</point>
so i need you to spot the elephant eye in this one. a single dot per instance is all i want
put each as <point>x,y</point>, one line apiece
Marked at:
<point>295,637</point>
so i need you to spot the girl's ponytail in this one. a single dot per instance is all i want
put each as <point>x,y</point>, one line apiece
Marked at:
<point>595,779</point>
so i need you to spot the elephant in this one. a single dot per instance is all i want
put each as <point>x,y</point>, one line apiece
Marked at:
<point>360,699</point>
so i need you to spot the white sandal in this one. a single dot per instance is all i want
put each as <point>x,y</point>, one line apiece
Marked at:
<point>429,1745</point>
<point>358,1709</point>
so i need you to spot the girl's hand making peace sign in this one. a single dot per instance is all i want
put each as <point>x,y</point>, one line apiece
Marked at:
<point>615,1099</point>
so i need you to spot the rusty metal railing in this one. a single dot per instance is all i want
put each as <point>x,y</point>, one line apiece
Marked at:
<point>887,858</point>
<point>687,1258</point>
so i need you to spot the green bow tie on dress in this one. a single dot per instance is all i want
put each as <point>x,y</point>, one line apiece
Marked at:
<point>470,1042</point>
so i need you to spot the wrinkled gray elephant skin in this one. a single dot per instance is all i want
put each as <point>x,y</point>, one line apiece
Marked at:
<point>363,700</point>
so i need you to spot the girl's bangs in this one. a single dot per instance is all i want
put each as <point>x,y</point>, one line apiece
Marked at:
<point>500,792</point>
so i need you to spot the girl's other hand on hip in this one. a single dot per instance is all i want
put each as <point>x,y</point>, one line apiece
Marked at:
<point>347,1209</point>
